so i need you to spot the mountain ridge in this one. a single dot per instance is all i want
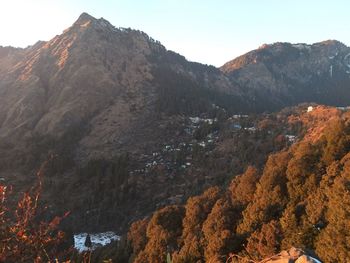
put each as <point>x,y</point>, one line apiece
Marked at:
<point>284,74</point>
<point>300,46</point>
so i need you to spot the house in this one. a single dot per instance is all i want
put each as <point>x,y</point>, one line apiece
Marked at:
<point>291,138</point>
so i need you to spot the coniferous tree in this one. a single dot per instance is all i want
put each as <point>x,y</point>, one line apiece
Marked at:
<point>88,242</point>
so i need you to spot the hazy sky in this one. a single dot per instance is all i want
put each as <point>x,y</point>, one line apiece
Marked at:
<point>207,31</point>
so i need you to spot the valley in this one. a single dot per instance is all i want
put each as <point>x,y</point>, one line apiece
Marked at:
<point>131,132</point>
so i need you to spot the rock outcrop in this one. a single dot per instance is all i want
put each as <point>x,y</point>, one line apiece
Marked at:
<point>293,255</point>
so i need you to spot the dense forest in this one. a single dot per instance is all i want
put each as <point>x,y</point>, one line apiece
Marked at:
<point>300,198</point>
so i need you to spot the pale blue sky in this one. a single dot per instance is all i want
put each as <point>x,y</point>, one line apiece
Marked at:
<point>206,31</point>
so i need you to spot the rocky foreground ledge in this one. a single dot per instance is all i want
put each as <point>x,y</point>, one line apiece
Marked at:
<point>293,255</point>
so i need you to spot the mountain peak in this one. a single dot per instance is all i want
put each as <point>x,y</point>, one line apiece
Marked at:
<point>331,42</point>
<point>84,18</point>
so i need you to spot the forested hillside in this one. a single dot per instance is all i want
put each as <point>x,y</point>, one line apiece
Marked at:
<point>300,198</point>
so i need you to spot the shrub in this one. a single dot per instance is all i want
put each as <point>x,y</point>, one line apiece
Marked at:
<point>23,237</point>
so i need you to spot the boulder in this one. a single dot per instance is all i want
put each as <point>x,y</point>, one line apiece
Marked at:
<point>293,255</point>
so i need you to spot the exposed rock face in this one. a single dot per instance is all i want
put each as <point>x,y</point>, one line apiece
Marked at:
<point>9,56</point>
<point>283,74</point>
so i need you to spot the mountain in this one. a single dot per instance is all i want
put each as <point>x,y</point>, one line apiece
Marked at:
<point>103,102</point>
<point>130,126</point>
<point>114,80</point>
<point>77,75</point>
<point>284,74</point>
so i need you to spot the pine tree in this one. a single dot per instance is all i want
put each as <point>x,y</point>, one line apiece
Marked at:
<point>333,242</point>
<point>197,210</point>
<point>88,242</point>
<point>265,241</point>
<point>218,230</point>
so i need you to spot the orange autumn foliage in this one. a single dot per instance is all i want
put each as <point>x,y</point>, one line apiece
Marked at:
<point>23,237</point>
